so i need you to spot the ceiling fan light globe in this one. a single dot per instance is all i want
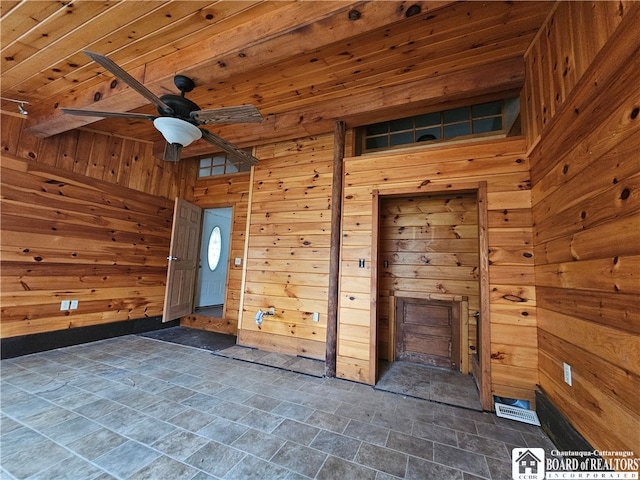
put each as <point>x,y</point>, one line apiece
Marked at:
<point>177,131</point>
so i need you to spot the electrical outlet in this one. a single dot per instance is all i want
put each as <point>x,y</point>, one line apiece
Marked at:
<point>73,305</point>
<point>64,305</point>
<point>567,373</point>
<point>316,316</point>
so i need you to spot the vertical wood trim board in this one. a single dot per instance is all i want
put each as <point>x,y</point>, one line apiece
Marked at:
<point>245,251</point>
<point>334,250</point>
<point>373,267</point>
<point>485,348</point>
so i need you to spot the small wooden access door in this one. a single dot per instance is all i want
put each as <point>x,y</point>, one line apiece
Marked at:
<point>428,332</point>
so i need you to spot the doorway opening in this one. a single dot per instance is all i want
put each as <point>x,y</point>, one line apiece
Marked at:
<point>429,295</point>
<point>211,284</point>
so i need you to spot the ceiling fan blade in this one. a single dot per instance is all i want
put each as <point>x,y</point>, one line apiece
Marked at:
<point>239,114</point>
<point>129,80</point>
<point>172,152</point>
<point>95,113</point>
<point>229,148</point>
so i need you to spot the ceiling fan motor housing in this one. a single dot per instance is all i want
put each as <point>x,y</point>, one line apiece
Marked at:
<point>181,106</point>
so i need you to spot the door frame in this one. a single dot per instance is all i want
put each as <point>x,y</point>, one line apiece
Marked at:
<point>481,363</point>
<point>201,251</point>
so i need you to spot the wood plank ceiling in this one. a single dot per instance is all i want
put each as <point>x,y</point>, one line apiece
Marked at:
<point>303,64</point>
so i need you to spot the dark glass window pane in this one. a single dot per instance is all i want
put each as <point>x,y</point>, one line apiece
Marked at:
<point>428,120</point>
<point>487,125</point>
<point>376,142</point>
<point>457,129</point>
<point>487,109</point>
<point>243,167</point>
<point>401,138</point>
<point>377,128</point>
<point>424,135</point>
<point>455,115</point>
<point>401,124</point>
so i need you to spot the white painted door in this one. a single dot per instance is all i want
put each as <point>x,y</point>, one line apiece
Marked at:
<point>214,257</point>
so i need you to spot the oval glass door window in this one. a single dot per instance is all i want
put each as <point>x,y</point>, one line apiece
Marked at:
<point>214,252</point>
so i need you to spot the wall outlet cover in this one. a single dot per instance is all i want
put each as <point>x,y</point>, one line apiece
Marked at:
<point>567,374</point>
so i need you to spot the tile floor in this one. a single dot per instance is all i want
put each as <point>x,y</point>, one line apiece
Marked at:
<point>436,384</point>
<point>138,408</point>
<point>308,366</point>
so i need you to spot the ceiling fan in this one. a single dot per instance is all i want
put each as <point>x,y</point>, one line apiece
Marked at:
<point>178,118</point>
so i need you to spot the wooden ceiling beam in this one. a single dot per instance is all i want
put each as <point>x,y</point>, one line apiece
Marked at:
<point>504,77</point>
<point>421,46</point>
<point>254,44</point>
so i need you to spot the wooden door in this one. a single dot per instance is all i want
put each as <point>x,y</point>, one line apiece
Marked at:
<point>427,332</point>
<point>183,260</point>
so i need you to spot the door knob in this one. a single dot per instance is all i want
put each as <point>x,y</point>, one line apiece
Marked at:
<point>172,258</point>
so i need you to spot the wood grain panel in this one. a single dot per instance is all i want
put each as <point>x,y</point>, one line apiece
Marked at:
<point>585,211</point>
<point>116,160</point>
<point>70,237</point>
<point>287,262</point>
<point>429,243</point>
<point>504,166</point>
<point>90,214</point>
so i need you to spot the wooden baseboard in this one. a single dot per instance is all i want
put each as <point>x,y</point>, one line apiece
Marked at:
<point>39,342</point>
<point>210,324</point>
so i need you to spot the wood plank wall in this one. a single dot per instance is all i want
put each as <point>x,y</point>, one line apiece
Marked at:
<point>225,191</point>
<point>503,165</point>
<point>429,244</point>
<point>287,264</point>
<point>86,217</point>
<point>585,168</point>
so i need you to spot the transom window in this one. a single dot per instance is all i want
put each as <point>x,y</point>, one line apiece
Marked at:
<point>220,164</point>
<point>466,121</point>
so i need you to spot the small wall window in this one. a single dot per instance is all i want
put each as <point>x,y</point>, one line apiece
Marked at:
<point>220,164</point>
<point>214,250</point>
<point>469,121</point>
